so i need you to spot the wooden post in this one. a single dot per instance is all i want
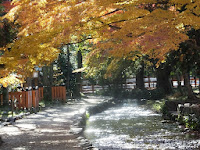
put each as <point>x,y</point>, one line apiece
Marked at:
<point>92,88</point>
<point>56,92</point>
<point>37,98</point>
<point>28,99</point>
<point>12,106</point>
<point>64,93</point>
<point>33,98</point>
<point>52,92</point>
<point>60,93</point>
<point>17,96</point>
<point>23,99</point>
<point>40,93</point>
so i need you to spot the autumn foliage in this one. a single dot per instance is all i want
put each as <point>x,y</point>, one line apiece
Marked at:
<point>117,28</point>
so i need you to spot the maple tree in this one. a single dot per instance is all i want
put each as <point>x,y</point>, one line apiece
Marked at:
<point>7,34</point>
<point>117,28</point>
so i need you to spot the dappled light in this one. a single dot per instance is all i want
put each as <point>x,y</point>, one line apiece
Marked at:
<point>12,131</point>
<point>133,126</point>
<point>51,128</point>
<point>99,74</point>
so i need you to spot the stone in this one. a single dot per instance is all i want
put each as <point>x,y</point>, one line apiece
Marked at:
<point>187,105</point>
<point>76,130</point>
<point>180,108</point>
<point>166,121</point>
<point>186,109</point>
<point>5,123</point>
<point>195,109</point>
<point>186,129</point>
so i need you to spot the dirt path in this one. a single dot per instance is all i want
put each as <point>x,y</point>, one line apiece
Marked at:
<point>52,129</point>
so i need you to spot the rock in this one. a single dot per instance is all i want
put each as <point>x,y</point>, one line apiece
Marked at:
<point>76,130</point>
<point>180,108</point>
<point>94,148</point>
<point>187,105</point>
<point>186,109</point>
<point>171,105</point>
<point>195,109</point>
<point>166,121</point>
<point>186,129</point>
<point>80,138</point>
<point>5,123</point>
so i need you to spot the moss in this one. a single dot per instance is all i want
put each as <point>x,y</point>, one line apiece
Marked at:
<point>156,105</point>
<point>87,115</point>
<point>190,121</point>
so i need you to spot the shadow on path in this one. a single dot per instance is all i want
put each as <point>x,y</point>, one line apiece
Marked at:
<point>52,129</point>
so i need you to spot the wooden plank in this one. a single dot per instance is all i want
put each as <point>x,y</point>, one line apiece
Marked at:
<point>33,99</point>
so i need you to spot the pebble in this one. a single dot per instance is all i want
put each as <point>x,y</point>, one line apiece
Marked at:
<point>76,130</point>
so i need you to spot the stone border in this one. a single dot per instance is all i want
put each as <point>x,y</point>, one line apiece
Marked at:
<point>92,110</point>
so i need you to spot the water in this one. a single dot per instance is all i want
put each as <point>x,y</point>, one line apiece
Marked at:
<point>132,126</point>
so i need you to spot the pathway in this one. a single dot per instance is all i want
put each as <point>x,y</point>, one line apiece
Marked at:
<point>54,128</point>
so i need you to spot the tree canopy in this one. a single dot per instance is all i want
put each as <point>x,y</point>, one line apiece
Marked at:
<point>117,28</point>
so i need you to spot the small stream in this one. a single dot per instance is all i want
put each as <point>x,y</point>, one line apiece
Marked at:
<point>131,126</point>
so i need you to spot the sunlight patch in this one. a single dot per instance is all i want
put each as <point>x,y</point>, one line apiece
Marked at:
<point>20,148</point>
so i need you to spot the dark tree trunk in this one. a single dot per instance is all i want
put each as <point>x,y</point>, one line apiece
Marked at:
<point>5,96</point>
<point>78,75</point>
<point>47,82</point>
<point>163,81</point>
<point>140,77</point>
<point>179,83</point>
<point>68,70</point>
<point>28,82</point>
<point>188,87</point>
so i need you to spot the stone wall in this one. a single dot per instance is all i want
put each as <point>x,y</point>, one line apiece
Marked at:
<point>186,113</point>
<point>189,115</point>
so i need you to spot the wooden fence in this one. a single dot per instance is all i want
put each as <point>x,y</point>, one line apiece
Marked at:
<point>58,92</point>
<point>30,98</point>
<point>194,82</point>
<point>149,83</point>
<point>130,84</point>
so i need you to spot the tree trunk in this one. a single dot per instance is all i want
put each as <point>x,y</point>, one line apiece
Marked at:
<point>28,83</point>
<point>5,96</point>
<point>68,70</point>
<point>140,77</point>
<point>163,81</point>
<point>190,92</point>
<point>47,82</point>
<point>179,83</point>
<point>78,75</point>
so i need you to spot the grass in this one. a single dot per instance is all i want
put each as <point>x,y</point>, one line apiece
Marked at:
<point>157,105</point>
<point>8,113</point>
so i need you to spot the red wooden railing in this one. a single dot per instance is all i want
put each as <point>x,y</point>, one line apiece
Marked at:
<point>58,93</point>
<point>31,98</point>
